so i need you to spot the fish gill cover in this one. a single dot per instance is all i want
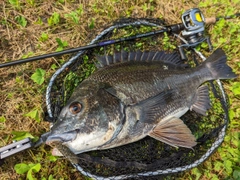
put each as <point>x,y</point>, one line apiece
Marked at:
<point>147,158</point>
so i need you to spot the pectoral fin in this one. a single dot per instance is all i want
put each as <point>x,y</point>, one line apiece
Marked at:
<point>174,132</point>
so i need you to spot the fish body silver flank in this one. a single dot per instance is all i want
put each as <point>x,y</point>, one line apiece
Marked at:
<point>137,94</point>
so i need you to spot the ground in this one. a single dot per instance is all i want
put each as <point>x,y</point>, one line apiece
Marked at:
<point>31,28</point>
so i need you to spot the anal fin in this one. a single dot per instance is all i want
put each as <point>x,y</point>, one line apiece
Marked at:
<point>201,100</point>
<point>174,132</point>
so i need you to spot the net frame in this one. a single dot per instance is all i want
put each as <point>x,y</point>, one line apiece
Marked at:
<point>217,89</point>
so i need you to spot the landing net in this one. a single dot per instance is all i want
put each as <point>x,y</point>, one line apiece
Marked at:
<point>147,158</point>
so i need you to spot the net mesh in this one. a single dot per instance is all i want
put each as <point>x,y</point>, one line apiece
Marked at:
<point>147,158</point>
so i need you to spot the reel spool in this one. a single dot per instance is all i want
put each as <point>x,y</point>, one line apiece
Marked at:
<point>147,158</point>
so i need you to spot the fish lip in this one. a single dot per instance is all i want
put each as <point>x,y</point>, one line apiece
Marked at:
<point>61,137</point>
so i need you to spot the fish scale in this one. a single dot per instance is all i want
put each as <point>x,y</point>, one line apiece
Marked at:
<point>140,81</point>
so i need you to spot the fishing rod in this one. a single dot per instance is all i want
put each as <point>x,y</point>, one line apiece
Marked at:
<point>87,47</point>
<point>192,24</point>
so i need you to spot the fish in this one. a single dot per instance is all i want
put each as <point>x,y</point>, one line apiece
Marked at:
<point>132,95</point>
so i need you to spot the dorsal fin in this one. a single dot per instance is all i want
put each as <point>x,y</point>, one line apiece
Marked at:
<point>145,56</point>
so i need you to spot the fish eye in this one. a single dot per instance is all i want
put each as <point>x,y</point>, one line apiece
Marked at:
<point>75,107</point>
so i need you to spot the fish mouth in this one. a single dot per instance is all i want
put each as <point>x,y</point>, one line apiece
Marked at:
<point>63,137</point>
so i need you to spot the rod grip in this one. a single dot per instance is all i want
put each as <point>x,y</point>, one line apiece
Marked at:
<point>211,20</point>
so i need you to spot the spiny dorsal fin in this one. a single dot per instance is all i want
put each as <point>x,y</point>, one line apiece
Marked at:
<point>201,100</point>
<point>173,132</point>
<point>145,56</point>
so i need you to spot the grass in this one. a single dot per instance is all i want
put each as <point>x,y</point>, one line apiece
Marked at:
<point>35,27</point>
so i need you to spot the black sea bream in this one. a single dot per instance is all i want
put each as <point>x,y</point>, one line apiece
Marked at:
<point>134,95</point>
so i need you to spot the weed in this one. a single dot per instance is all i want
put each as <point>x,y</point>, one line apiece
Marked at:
<point>54,19</point>
<point>167,45</point>
<point>2,122</point>
<point>31,2</point>
<point>61,44</point>
<point>19,135</point>
<point>236,88</point>
<point>44,37</point>
<point>74,16</point>
<point>2,119</point>
<point>91,24</point>
<point>38,76</point>
<point>34,114</point>
<point>15,3</point>
<point>29,168</point>
<point>21,20</point>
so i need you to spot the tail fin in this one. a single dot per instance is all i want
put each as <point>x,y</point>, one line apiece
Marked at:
<point>216,63</point>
